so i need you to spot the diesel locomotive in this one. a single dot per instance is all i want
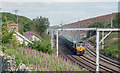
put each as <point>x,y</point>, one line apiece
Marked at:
<point>79,48</point>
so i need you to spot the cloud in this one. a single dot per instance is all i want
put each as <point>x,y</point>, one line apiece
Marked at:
<point>57,12</point>
<point>59,0</point>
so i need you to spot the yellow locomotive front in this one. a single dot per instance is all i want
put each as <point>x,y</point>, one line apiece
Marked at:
<point>80,48</point>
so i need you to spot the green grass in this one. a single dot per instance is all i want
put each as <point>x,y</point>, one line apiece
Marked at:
<point>112,50</point>
<point>45,36</point>
<point>114,35</point>
<point>39,61</point>
<point>44,45</point>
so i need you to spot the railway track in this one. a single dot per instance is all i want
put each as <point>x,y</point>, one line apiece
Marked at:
<point>69,55</point>
<point>86,61</point>
<point>104,59</point>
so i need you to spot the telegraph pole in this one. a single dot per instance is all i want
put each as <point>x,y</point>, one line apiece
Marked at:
<point>16,16</point>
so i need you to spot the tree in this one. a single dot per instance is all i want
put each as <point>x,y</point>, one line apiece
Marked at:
<point>41,24</point>
<point>116,21</point>
<point>7,35</point>
<point>26,27</point>
<point>12,17</point>
<point>94,25</point>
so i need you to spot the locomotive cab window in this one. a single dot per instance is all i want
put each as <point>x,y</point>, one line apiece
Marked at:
<point>78,45</point>
<point>83,45</point>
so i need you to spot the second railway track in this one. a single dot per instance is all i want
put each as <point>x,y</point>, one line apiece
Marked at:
<point>103,58</point>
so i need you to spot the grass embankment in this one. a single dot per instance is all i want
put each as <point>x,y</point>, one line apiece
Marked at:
<point>112,50</point>
<point>39,61</point>
<point>44,45</point>
<point>112,43</point>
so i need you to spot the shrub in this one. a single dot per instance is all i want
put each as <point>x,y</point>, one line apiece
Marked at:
<point>8,37</point>
<point>39,61</point>
<point>21,31</point>
<point>14,41</point>
<point>3,49</point>
<point>116,21</point>
<point>42,46</point>
<point>94,25</point>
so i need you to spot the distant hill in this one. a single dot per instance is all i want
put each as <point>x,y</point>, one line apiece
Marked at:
<point>12,17</point>
<point>85,23</point>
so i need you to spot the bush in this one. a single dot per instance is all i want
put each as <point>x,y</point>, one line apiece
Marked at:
<point>3,49</point>
<point>21,31</point>
<point>39,61</point>
<point>112,51</point>
<point>94,25</point>
<point>116,21</point>
<point>42,46</point>
<point>8,37</point>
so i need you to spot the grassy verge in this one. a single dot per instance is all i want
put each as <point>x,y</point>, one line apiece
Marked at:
<point>44,45</point>
<point>112,50</point>
<point>39,61</point>
<point>112,44</point>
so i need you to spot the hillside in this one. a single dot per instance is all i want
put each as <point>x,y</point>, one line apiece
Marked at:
<point>39,61</point>
<point>85,23</point>
<point>12,17</point>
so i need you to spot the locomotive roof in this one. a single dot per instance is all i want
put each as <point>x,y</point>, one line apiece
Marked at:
<point>80,42</point>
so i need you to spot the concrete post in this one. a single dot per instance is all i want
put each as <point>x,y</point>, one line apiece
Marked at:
<point>33,38</point>
<point>97,52</point>
<point>52,40</point>
<point>57,41</point>
<point>103,40</point>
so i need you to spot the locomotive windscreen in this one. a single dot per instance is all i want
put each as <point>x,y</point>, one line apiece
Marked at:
<point>83,45</point>
<point>78,45</point>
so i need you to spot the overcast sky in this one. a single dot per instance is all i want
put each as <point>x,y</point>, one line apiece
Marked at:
<point>60,10</point>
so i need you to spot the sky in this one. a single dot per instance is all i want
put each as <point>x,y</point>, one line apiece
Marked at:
<point>60,11</point>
